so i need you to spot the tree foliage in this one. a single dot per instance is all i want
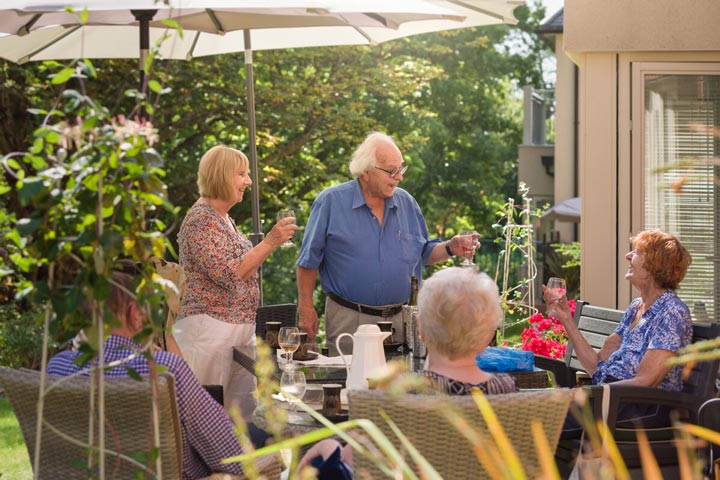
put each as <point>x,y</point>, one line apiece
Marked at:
<point>450,99</point>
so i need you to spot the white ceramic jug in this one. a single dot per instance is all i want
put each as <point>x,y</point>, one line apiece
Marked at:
<point>368,355</point>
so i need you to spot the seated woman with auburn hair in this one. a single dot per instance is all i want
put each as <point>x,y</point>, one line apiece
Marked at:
<point>656,325</point>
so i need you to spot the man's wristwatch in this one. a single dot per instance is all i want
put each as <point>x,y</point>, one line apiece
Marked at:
<point>449,250</point>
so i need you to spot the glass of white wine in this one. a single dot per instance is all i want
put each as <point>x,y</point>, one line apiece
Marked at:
<point>285,213</point>
<point>292,382</point>
<point>289,341</point>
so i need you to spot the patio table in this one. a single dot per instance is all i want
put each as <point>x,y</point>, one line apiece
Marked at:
<point>245,356</point>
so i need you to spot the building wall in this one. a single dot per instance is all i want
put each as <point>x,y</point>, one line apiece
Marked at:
<point>533,174</point>
<point>598,178</point>
<point>641,25</point>
<point>565,175</point>
<point>604,38</point>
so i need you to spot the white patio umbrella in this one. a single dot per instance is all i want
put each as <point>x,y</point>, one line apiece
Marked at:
<point>33,30</point>
<point>565,211</point>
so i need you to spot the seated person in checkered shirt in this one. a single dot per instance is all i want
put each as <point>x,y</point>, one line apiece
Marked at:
<point>207,431</point>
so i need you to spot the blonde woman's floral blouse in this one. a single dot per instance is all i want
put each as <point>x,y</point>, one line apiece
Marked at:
<point>211,251</point>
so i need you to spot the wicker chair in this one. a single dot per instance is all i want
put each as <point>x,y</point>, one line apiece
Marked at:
<point>127,410</point>
<point>419,417</point>
<point>698,386</point>
<point>284,312</point>
<point>709,417</point>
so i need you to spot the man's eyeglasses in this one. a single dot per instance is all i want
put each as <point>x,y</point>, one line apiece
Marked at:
<point>394,173</point>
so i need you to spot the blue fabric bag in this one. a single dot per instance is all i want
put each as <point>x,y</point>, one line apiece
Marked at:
<point>505,359</point>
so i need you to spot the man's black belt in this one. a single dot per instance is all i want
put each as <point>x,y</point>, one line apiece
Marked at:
<point>375,312</point>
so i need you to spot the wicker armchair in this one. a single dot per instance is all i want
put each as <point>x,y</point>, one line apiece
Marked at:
<point>419,417</point>
<point>709,417</point>
<point>283,312</point>
<point>698,386</point>
<point>127,410</point>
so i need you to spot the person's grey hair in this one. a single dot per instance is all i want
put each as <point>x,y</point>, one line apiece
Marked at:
<point>217,171</point>
<point>459,311</point>
<point>365,156</point>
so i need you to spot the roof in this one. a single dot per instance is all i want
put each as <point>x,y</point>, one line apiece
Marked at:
<point>554,24</point>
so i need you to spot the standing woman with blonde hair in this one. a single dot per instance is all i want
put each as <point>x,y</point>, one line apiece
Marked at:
<point>221,265</point>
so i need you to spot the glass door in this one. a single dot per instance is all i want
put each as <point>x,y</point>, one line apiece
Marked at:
<point>676,132</point>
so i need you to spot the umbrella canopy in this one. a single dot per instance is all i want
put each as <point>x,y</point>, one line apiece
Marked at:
<point>43,30</point>
<point>565,211</point>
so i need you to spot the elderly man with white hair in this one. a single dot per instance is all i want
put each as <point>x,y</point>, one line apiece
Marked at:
<point>367,237</point>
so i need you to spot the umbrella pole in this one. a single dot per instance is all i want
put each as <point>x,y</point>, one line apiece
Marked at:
<point>144,17</point>
<point>257,234</point>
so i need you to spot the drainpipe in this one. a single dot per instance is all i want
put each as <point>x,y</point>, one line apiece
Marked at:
<point>576,148</point>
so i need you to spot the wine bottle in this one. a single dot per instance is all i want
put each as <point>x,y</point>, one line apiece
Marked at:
<point>413,290</point>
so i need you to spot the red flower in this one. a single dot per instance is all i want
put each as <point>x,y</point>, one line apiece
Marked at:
<point>546,336</point>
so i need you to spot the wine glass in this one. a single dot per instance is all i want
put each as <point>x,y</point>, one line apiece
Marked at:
<point>285,214</point>
<point>468,244</point>
<point>292,382</point>
<point>556,289</point>
<point>289,341</point>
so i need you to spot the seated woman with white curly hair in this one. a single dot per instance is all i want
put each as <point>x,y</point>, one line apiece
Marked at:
<point>459,312</point>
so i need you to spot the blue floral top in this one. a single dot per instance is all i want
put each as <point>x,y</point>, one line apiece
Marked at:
<point>666,325</point>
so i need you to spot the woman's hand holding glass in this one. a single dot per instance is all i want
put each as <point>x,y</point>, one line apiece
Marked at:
<point>287,214</point>
<point>554,294</point>
<point>556,289</point>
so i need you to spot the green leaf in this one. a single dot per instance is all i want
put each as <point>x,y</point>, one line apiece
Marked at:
<point>132,373</point>
<point>28,226</point>
<point>90,123</point>
<point>31,188</point>
<point>88,220</point>
<point>12,163</point>
<point>37,162</point>
<point>155,86</point>
<point>169,22</point>
<point>111,241</point>
<point>52,137</point>
<point>101,289</point>
<point>37,146</point>
<point>88,68</point>
<point>62,76</point>
<point>72,301</point>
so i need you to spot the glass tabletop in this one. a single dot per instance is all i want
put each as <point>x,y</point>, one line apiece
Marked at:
<point>246,356</point>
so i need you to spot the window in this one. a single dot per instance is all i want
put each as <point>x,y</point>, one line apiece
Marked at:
<point>681,176</point>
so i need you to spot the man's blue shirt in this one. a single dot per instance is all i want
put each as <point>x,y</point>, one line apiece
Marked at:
<point>359,259</point>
